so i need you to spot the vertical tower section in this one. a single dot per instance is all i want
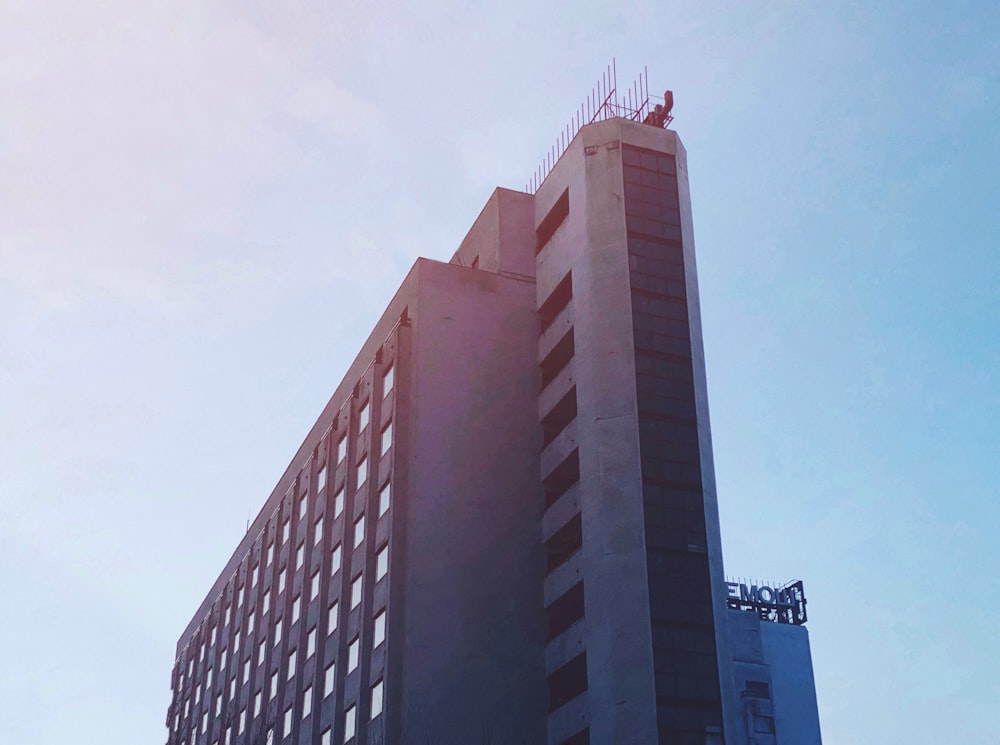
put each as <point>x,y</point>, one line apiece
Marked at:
<point>683,549</point>
<point>634,581</point>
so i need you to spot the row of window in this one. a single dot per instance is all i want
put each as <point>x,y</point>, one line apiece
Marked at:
<point>242,593</point>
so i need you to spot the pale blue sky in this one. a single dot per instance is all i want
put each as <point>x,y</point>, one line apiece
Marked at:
<point>204,206</point>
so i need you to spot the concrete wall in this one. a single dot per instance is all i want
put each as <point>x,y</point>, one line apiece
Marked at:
<point>473,619</point>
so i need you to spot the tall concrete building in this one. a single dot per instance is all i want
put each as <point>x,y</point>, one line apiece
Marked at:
<point>503,526</point>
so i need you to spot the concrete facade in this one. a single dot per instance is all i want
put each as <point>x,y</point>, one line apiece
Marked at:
<point>773,679</point>
<point>503,527</point>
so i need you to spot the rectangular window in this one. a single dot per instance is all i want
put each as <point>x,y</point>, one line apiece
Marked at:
<point>303,506</point>
<point>311,642</point>
<point>559,417</point>
<point>334,613</point>
<point>243,720</point>
<point>359,530</point>
<point>321,478</point>
<point>314,585</point>
<point>260,651</point>
<point>557,300</point>
<point>364,414</point>
<point>212,639</point>
<point>277,632</point>
<point>386,438</point>
<point>384,497</point>
<point>307,701</point>
<point>376,699</point>
<point>300,554</point>
<point>565,610</point>
<point>388,378</point>
<point>378,629</point>
<point>356,587</point>
<point>341,449</point>
<point>291,664</point>
<point>281,580</point>
<point>327,737</point>
<point>338,503</point>
<point>286,531</point>
<point>350,722</point>
<point>352,654</point>
<point>265,602</point>
<point>557,359</point>
<point>362,471</point>
<point>329,677</point>
<point>551,222</point>
<point>318,530</point>
<point>256,703</point>
<point>382,562</point>
<point>562,478</point>
<point>270,554</point>
<point>563,544</point>
<point>246,670</point>
<point>274,684</point>
<point>335,559</point>
<point>250,624</point>
<point>288,722</point>
<point>296,608</point>
<point>568,682</point>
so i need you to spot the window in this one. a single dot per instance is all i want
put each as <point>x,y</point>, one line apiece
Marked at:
<point>364,414</point>
<point>562,478</point>
<point>350,722</point>
<point>334,609</point>
<point>260,651</point>
<point>378,632</point>
<point>338,503</point>
<point>386,438</point>
<point>246,670</point>
<point>321,478</point>
<point>296,608</point>
<point>286,531</point>
<point>388,378</point>
<point>270,554</point>
<point>356,587</point>
<point>256,703</point>
<point>563,544</point>
<point>303,506</point>
<point>327,737</point>
<point>328,678</point>
<point>232,690</point>
<point>311,642</point>
<point>362,471</point>
<point>288,722</point>
<point>243,720</point>
<point>300,553</point>
<point>291,664</point>
<point>342,449</point>
<point>352,654</point>
<point>307,701</point>
<point>335,559</point>
<point>274,684</point>
<point>213,636</point>
<point>265,603</point>
<point>568,682</point>
<point>376,699</point>
<point>565,610</point>
<point>382,562</point>
<point>277,632</point>
<point>384,496</point>
<point>547,227</point>
<point>204,722</point>
<point>250,624</point>
<point>253,577</point>
<point>558,299</point>
<point>359,531</point>
<point>318,530</point>
<point>281,581</point>
<point>314,585</point>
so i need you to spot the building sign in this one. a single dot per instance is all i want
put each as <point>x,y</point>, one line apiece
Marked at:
<point>779,604</point>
